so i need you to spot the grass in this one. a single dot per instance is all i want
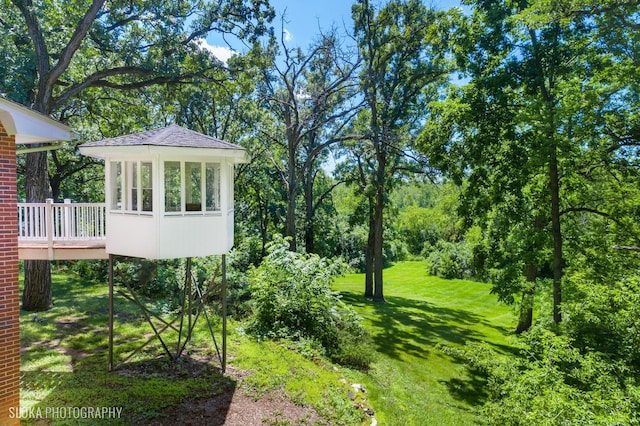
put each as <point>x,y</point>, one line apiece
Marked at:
<point>64,364</point>
<point>412,382</point>
<point>64,360</point>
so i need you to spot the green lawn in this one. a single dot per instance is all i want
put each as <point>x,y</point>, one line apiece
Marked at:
<point>412,382</point>
<point>64,360</point>
<point>64,364</point>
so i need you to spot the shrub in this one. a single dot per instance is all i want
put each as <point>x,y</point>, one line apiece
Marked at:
<point>552,382</point>
<point>292,299</point>
<point>92,270</point>
<point>585,370</point>
<point>450,260</point>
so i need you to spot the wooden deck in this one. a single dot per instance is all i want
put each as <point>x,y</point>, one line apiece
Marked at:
<point>74,250</point>
<point>65,231</point>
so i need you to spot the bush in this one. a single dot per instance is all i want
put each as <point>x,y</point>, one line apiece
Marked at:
<point>450,260</point>
<point>292,299</point>
<point>159,281</point>
<point>589,374</point>
<point>352,248</point>
<point>552,382</point>
<point>92,270</point>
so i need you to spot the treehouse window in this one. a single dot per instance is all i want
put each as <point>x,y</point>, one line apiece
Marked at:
<point>198,191</point>
<point>172,186</point>
<point>213,186</point>
<point>116,185</point>
<point>193,187</point>
<point>146,186</point>
<point>136,177</point>
<point>132,171</point>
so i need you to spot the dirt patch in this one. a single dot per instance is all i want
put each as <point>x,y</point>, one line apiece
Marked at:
<point>234,408</point>
<point>226,403</point>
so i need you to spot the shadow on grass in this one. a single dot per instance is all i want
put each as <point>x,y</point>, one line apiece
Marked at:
<point>142,393</point>
<point>64,368</point>
<point>412,327</point>
<point>472,390</point>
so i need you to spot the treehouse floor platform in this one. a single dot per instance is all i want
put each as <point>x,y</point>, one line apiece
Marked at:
<point>63,250</point>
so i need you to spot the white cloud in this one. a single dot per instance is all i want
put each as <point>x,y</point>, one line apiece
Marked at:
<point>221,52</point>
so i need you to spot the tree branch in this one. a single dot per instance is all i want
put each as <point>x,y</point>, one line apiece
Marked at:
<point>98,80</point>
<point>592,211</point>
<point>630,248</point>
<point>40,47</point>
<point>74,43</point>
<point>325,194</point>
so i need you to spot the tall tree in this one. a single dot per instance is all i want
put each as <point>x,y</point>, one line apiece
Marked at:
<point>403,49</point>
<point>74,45</point>
<point>310,95</point>
<point>356,170</point>
<point>532,126</point>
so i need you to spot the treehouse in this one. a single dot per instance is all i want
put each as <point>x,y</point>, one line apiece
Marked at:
<point>168,193</point>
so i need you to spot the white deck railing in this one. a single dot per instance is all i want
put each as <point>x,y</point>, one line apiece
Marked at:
<point>59,222</point>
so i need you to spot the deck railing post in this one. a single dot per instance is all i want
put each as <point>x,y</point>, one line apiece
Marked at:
<point>48,217</point>
<point>66,214</point>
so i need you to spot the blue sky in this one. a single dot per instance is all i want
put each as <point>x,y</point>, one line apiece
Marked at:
<point>305,18</point>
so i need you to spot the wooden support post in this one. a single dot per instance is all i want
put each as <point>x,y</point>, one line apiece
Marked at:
<point>189,301</point>
<point>224,313</point>
<point>110,356</point>
<point>182,311</point>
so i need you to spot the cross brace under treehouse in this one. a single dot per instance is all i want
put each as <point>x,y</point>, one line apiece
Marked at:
<point>194,302</point>
<point>169,195</point>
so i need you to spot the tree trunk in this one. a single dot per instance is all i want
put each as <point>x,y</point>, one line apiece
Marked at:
<point>264,227</point>
<point>37,273</point>
<point>526,305</point>
<point>309,232</point>
<point>378,264</point>
<point>36,295</point>
<point>55,188</point>
<point>292,182</point>
<point>369,259</point>
<point>291,215</point>
<point>554,188</point>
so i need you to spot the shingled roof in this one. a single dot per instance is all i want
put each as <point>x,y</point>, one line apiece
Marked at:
<point>172,135</point>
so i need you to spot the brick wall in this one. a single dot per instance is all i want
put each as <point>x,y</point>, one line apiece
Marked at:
<point>9,293</point>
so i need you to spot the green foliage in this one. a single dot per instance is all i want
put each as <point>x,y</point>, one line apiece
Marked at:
<point>156,280</point>
<point>605,318</point>
<point>92,270</point>
<point>64,359</point>
<point>307,382</point>
<point>588,374</point>
<point>63,364</point>
<point>541,133</point>
<point>293,299</point>
<point>352,247</point>
<point>427,213</point>
<point>418,226</point>
<point>450,260</point>
<point>553,382</point>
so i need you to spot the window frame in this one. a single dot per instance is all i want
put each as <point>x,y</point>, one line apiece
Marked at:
<point>126,187</point>
<point>187,209</point>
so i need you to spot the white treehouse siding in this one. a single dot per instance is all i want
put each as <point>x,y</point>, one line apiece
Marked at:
<point>202,232</point>
<point>191,211</point>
